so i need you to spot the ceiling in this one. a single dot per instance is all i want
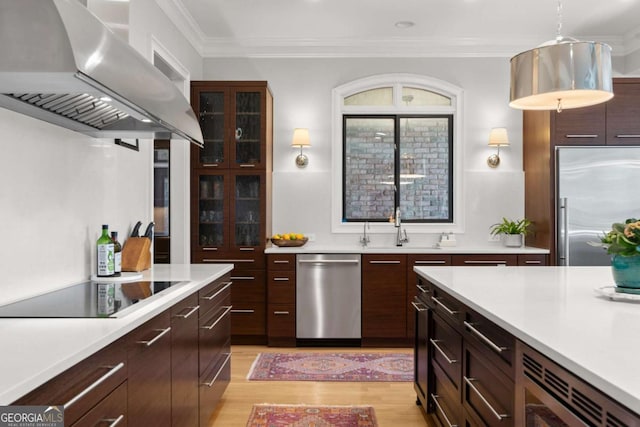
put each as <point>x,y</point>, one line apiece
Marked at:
<point>352,28</point>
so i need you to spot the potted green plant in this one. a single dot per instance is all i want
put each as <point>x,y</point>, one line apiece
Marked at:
<point>512,232</point>
<point>622,242</point>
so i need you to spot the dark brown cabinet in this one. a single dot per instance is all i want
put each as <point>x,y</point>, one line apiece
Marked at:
<point>384,299</point>
<point>281,293</point>
<point>612,123</point>
<point>230,192</point>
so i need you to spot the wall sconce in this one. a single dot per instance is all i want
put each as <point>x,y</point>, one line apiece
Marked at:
<point>301,139</point>
<point>497,138</point>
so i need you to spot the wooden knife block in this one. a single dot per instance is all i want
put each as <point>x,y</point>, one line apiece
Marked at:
<point>136,254</point>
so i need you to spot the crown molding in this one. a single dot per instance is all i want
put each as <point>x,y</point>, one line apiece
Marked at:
<point>182,19</point>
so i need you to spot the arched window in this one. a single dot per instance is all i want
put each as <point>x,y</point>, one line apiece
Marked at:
<point>396,146</point>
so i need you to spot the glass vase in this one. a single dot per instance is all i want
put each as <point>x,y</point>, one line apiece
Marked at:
<point>626,273</point>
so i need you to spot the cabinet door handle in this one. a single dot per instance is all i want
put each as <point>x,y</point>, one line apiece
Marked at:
<point>435,397</point>
<point>417,304</point>
<point>210,297</point>
<point>281,261</point>
<point>243,278</point>
<point>484,338</point>
<point>444,307</point>
<point>437,347</point>
<point>281,313</point>
<point>152,341</point>
<point>83,393</point>
<point>627,136</point>
<point>210,165</point>
<point>385,262</point>
<point>423,290</point>
<point>213,325</point>
<point>431,262</point>
<point>469,382</point>
<point>482,261</point>
<point>243,311</point>
<point>280,279</point>
<point>184,316</point>
<point>210,249</point>
<point>247,165</point>
<point>578,135</point>
<point>247,249</point>
<point>114,421</point>
<point>210,383</point>
<point>227,260</point>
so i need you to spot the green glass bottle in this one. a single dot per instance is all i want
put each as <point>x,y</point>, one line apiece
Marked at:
<point>117,254</point>
<point>105,262</point>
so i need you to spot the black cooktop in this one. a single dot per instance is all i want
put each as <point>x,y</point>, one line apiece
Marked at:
<point>87,299</point>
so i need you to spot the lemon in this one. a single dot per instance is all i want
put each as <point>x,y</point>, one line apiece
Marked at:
<point>277,237</point>
<point>299,236</point>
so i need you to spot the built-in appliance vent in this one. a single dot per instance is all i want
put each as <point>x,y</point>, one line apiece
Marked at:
<point>82,108</point>
<point>533,367</point>
<point>613,421</point>
<point>556,383</point>
<point>586,404</point>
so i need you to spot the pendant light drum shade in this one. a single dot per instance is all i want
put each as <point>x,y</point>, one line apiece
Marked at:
<point>560,75</point>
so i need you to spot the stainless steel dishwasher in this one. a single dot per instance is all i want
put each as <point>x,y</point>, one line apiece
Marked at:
<point>328,297</point>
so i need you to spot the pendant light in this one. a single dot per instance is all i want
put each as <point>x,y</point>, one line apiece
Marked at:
<point>561,74</point>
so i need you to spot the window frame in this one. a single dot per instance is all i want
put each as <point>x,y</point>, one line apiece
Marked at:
<point>397,81</point>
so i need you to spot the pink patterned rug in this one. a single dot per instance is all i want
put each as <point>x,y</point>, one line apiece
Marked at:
<point>302,415</point>
<point>354,367</point>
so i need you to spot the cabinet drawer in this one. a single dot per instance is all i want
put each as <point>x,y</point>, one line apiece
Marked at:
<point>111,411</point>
<point>448,307</point>
<point>99,374</point>
<point>484,260</point>
<point>214,296</point>
<point>248,318</point>
<point>213,336</point>
<point>487,392</point>
<point>446,344</point>
<point>494,342</point>
<point>212,385</point>
<point>532,259</point>
<point>281,320</point>
<point>242,260</point>
<point>281,262</point>
<point>281,287</point>
<point>445,399</point>
<point>248,286</point>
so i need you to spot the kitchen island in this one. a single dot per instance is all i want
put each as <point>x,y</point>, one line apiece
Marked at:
<point>36,350</point>
<point>556,311</point>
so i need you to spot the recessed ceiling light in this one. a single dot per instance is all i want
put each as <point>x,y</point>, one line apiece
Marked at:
<point>404,24</point>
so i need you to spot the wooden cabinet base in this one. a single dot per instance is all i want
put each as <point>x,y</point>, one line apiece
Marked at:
<point>212,386</point>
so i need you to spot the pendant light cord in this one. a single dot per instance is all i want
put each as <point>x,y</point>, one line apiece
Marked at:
<point>559,35</point>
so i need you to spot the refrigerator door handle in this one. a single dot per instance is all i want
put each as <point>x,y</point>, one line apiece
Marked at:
<point>563,235</point>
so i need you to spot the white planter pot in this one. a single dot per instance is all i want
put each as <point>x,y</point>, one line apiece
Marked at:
<point>513,240</point>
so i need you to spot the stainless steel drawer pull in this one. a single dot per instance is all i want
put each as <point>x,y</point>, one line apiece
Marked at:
<point>243,311</point>
<point>469,382</point>
<point>247,165</point>
<point>385,262</point>
<point>280,279</point>
<point>533,262</point>
<point>435,397</point>
<point>210,165</point>
<point>210,297</point>
<point>184,316</point>
<point>210,383</point>
<point>213,325</point>
<point>243,278</point>
<point>209,249</point>
<point>578,135</point>
<point>328,261</point>
<point>227,261</point>
<point>150,342</point>
<point>432,262</point>
<point>248,249</point>
<point>114,421</point>
<point>444,307</point>
<point>627,136</point>
<point>470,261</point>
<point>279,313</point>
<point>83,393</point>
<point>417,305</point>
<point>447,358</point>
<point>484,338</point>
<point>281,261</point>
<point>421,289</point>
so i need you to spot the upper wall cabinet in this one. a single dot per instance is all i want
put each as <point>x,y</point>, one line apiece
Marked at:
<point>623,113</point>
<point>234,117</point>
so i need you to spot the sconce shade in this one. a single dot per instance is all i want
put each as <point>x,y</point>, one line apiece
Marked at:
<point>498,137</point>
<point>561,74</point>
<point>301,138</point>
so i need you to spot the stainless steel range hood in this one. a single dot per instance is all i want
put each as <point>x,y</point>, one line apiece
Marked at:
<point>61,64</point>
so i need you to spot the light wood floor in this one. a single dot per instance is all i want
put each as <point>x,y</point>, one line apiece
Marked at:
<point>394,403</point>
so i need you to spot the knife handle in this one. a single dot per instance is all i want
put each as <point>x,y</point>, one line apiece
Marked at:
<point>136,228</point>
<point>148,232</point>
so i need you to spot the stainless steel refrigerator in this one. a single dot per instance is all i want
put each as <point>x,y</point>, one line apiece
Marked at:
<point>597,186</point>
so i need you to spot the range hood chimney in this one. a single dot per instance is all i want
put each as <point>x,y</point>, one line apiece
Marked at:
<point>61,64</point>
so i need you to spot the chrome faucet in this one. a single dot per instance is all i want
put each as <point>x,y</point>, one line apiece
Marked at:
<point>399,236</point>
<point>364,240</point>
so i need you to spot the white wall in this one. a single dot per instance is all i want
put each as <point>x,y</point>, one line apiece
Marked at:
<point>57,187</point>
<point>302,98</point>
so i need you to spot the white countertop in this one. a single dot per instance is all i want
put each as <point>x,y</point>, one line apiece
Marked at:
<point>313,248</point>
<point>36,350</point>
<point>557,311</point>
